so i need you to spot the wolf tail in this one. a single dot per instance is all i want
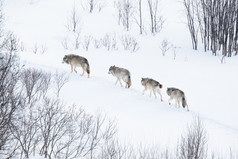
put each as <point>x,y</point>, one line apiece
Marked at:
<point>184,102</point>
<point>87,67</point>
<point>129,81</point>
<point>160,86</point>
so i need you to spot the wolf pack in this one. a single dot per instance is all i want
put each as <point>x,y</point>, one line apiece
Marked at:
<point>122,74</point>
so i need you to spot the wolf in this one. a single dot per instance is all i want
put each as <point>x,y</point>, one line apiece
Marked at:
<point>121,73</point>
<point>153,85</point>
<point>178,95</point>
<point>77,61</point>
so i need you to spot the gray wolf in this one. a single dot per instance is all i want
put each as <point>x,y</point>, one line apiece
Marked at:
<point>121,73</point>
<point>77,61</point>
<point>178,95</point>
<point>153,85</point>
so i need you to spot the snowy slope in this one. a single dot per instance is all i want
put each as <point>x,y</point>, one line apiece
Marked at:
<point>210,87</point>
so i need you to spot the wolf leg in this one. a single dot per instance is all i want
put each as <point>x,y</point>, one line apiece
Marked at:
<point>170,100</point>
<point>71,68</point>
<point>116,81</point>
<point>82,73</point>
<point>120,82</point>
<point>154,93</point>
<point>160,96</point>
<point>178,103</point>
<point>75,69</point>
<point>150,92</point>
<point>144,91</point>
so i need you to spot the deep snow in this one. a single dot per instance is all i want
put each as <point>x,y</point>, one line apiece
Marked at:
<point>210,87</point>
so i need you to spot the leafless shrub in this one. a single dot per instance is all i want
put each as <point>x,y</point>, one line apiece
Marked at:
<point>22,47</point>
<point>100,6</point>
<point>52,123</point>
<point>70,134</point>
<point>44,48</point>
<point>165,46</point>
<point>129,43</point>
<point>193,143</point>
<point>59,80</point>
<point>175,48</point>
<point>97,43</point>
<point>35,49</point>
<point>65,44</point>
<point>113,149</point>
<point>24,130</point>
<point>35,84</point>
<point>86,42</point>
<point>109,42</point>
<point>233,154</point>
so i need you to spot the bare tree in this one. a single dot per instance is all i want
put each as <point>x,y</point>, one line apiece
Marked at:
<point>73,23</point>
<point>52,122</point>
<point>24,129</point>
<point>217,22</point>
<point>59,80</point>
<point>91,5</point>
<point>156,20</point>
<point>35,83</point>
<point>140,15</point>
<point>9,96</point>
<point>193,144</point>
<point>118,6</point>
<point>138,18</point>
<point>76,41</point>
<point>190,9</point>
<point>125,12</point>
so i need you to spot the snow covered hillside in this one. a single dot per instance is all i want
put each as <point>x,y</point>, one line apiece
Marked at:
<point>210,87</point>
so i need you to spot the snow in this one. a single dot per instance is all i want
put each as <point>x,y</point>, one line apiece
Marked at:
<point>210,87</point>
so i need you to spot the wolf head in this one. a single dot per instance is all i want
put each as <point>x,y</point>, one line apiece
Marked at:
<point>111,69</point>
<point>143,82</point>
<point>65,59</point>
<point>169,90</point>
